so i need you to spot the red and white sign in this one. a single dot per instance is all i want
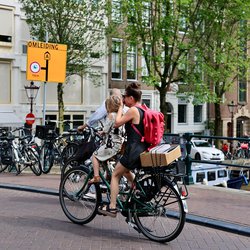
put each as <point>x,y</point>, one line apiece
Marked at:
<point>30,118</point>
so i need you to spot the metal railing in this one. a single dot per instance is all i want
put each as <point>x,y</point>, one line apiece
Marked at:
<point>185,142</point>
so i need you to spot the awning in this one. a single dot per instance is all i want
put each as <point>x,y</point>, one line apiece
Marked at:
<point>10,119</point>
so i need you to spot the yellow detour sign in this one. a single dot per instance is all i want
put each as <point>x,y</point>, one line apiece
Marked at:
<point>46,61</point>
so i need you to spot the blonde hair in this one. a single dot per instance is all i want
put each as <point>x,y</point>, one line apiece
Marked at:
<point>113,103</point>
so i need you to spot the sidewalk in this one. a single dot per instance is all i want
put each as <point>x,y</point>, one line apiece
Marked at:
<point>205,203</point>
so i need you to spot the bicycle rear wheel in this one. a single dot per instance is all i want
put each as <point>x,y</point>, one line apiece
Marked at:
<point>79,201</point>
<point>35,164</point>
<point>162,218</point>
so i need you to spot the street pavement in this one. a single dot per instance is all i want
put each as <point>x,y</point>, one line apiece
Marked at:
<point>30,220</point>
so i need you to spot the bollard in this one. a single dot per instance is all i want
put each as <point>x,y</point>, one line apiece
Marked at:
<point>188,178</point>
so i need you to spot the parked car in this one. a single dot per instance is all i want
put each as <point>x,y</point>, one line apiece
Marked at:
<point>203,150</point>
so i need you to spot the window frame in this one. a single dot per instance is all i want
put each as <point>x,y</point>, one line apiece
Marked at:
<point>132,54</point>
<point>119,53</point>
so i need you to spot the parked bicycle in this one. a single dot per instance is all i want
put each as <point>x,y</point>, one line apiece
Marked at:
<point>55,148</point>
<point>155,204</point>
<point>88,143</point>
<point>17,153</point>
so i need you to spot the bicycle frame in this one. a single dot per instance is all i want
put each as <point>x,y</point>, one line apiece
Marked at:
<point>136,191</point>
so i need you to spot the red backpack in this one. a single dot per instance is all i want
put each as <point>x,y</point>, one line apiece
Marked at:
<point>153,122</point>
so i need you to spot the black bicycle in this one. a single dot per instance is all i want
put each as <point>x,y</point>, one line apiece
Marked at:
<point>55,148</point>
<point>86,146</point>
<point>154,205</point>
<point>18,155</point>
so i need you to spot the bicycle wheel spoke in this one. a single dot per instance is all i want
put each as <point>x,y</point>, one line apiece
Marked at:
<point>79,204</point>
<point>35,164</point>
<point>163,218</point>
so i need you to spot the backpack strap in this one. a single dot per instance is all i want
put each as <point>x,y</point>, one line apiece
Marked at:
<point>136,129</point>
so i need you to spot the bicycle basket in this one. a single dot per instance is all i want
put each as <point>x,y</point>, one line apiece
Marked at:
<point>45,132</point>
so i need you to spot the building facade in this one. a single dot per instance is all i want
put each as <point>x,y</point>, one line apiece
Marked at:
<point>82,95</point>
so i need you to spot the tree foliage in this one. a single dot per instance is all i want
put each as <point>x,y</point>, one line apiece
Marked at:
<point>222,53</point>
<point>78,23</point>
<point>192,43</point>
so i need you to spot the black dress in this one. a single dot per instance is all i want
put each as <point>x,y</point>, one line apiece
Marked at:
<point>134,147</point>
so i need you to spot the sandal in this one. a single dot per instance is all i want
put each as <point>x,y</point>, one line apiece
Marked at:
<point>95,179</point>
<point>106,210</point>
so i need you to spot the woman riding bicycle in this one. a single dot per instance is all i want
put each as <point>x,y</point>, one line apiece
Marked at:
<point>134,147</point>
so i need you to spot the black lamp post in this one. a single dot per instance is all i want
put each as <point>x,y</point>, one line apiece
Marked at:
<point>232,108</point>
<point>31,92</point>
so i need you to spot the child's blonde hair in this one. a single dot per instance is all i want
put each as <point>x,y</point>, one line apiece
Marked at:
<point>113,103</point>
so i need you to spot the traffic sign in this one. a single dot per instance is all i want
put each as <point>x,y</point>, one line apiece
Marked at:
<point>46,61</point>
<point>30,118</point>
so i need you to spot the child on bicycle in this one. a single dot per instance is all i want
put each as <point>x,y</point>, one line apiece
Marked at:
<point>112,137</point>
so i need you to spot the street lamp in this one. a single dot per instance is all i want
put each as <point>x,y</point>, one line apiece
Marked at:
<point>232,108</point>
<point>31,92</point>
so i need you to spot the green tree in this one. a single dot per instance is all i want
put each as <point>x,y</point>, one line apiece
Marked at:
<point>178,39</point>
<point>78,24</point>
<point>221,55</point>
<point>161,29</point>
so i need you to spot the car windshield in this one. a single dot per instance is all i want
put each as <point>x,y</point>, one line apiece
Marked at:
<point>202,144</point>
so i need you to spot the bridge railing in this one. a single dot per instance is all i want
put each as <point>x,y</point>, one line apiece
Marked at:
<point>184,140</point>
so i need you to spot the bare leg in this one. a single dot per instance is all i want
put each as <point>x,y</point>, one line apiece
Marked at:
<point>130,177</point>
<point>95,165</point>
<point>119,171</point>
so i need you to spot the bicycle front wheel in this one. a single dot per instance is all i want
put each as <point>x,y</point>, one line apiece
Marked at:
<point>35,164</point>
<point>79,201</point>
<point>162,218</point>
<point>47,154</point>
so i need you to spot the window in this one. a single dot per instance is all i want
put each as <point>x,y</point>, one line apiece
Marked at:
<point>73,90</point>
<point>242,90</point>
<point>182,65</point>
<point>24,49</point>
<point>5,82</point>
<point>116,11</point>
<point>146,52</point>
<point>182,113</point>
<point>211,176</point>
<point>6,29</point>
<point>146,14</point>
<point>77,120</point>
<point>182,24</point>
<point>117,59</point>
<point>197,113</point>
<point>200,176</point>
<point>146,101</point>
<point>70,120</point>
<point>222,173</point>
<point>51,119</point>
<point>131,62</point>
<point>67,122</point>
